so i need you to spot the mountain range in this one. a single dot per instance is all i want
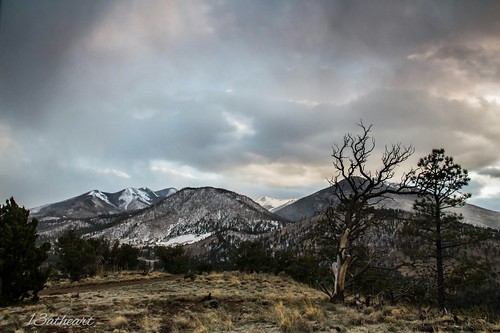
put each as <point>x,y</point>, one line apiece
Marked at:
<point>95,203</point>
<point>309,206</point>
<point>202,216</point>
<point>144,217</point>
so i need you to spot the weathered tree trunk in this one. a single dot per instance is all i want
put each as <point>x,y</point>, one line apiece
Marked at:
<point>339,269</point>
<point>338,296</point>
<point>355,191</point>
<point>439,264</point>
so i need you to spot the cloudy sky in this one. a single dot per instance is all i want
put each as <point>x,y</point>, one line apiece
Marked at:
<point>245,95</point>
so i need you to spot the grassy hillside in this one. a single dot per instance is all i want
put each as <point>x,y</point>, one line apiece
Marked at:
<point>238,303</point>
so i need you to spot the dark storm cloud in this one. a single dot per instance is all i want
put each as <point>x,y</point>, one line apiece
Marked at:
<point>35,37</point>
<point>240,94</point>
<point>334,28</point>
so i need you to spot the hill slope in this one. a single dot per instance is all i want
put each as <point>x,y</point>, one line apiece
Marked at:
<point>239,303</point>
<point>315,203</point>
<point>187,216</point>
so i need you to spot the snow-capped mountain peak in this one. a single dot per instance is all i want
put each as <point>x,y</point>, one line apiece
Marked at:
<point>273,204</point>
<point>96,202</point>
<point>133,198</point>
<point>101,196</point>
<point>193,215</point>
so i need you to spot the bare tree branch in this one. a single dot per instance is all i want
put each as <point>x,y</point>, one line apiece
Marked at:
<point>356,190</point>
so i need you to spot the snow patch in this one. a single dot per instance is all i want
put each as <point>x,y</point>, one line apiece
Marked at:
<point>49,218</point>
<point>101,196</point>
<point>273,204</point>
<point>185,239</point>
<point>132,195</point>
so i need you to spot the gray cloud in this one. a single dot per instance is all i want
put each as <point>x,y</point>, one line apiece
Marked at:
<point>245,95</point>
<point>492,172</point>
<point>35,38</point>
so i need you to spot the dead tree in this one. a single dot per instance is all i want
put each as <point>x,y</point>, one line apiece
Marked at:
<point>356,191</point>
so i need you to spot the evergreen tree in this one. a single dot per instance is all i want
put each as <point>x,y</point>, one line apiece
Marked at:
<point>252,256</point>
<point>77,257</point>
<point>116,256</point>
<point>126,256</point>
<point>172,259</point>
<point>103,251</point>
<point>440,181</point>
<point>305,268</point>
<point>20,258</point>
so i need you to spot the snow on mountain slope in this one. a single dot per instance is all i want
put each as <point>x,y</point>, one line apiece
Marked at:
<point>185,239</point>
<point>193,214</point>
<point>95,203</point>
<point>199,216</point>
<point>310,206</point>
<point>472,214</point>
<point>133,198</point>
<point>100,196</point>
<point>272,204</point>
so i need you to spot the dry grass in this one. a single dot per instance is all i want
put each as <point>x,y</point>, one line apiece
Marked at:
<point>240,303</point>
<point>118,321</point>
<point>290,319</point>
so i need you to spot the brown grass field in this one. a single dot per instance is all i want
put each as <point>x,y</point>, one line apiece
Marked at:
<point>254,303</point>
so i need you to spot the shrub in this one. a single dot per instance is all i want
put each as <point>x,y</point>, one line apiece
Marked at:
<point>20,258</point>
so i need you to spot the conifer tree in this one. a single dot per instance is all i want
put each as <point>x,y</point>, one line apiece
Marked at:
<point>172,259</point>
<point>77,257</point>
<point>20,257</point>
<point>252,257</point>
<point>440,181</point>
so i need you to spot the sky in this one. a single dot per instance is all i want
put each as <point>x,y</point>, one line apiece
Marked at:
<point>245,95</point>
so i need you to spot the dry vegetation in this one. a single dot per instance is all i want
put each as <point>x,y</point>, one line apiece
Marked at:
<point>238,303</point>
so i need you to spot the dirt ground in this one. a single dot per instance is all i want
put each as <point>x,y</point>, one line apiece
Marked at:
<point>219,302</point>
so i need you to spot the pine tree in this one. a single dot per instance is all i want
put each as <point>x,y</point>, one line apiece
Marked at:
<point>20,258</point>
<point>77,257</point>
<point>252,257</point>
<point>173,260</point>
<point>126,256</point>
<point>440,182</point>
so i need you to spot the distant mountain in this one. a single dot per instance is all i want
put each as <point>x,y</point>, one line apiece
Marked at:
<point>95,203</point>
<point>166,192</point>
<point>307,207</point>
<point>272,204</point>
<point>207,216</point>
<point>187,216</point>
<point>315,203</point>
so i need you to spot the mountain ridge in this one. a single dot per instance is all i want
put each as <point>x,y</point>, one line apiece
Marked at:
<point>203,215</point>
<point>311,205</point>
<point>191,214</point>
<point>95,202</point>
